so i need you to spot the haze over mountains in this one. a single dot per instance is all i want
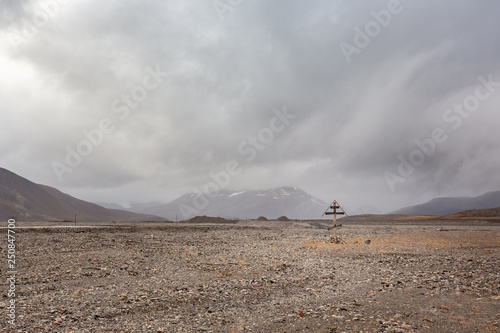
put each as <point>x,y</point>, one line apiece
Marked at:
<point>24,200</point>
<point>452,205</point>
<point>27,201</point>
<point>293,203</point>
<point>272,203</point>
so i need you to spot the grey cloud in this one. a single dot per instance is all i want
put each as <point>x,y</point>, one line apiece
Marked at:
<point>224,79</point>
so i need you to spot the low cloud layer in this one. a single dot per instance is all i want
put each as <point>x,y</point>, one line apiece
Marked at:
<point>155,96</point>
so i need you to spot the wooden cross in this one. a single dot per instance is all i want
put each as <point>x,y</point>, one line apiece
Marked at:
<point>334,206</point>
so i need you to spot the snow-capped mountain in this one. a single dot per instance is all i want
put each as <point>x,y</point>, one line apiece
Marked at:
<point>270,203</point>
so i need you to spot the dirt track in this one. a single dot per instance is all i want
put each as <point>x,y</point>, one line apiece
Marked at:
<point>257,276</point>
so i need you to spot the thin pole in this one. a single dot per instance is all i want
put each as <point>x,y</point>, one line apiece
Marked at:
<point>334,225</point>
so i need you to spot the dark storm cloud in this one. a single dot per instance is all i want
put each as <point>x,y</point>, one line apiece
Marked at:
<point>223,79</point>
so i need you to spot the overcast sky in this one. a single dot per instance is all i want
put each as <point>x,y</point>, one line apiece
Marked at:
<point>372,103</point>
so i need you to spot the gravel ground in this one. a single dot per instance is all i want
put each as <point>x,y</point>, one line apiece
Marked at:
<point>256,277</point>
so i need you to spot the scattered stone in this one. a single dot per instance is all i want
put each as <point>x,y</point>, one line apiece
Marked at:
<point>259,278</point>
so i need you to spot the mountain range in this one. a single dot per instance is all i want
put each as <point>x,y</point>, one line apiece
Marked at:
<point>452,205</point>
<point>271,203</point>
<point>24,200</point>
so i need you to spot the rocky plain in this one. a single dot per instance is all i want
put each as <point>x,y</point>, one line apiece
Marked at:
<point>215,275</point>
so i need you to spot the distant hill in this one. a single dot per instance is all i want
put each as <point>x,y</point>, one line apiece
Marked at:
<point>271,203</point>
<point>451,205</point>
<point>492,213</point>
<point>24,200</point>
